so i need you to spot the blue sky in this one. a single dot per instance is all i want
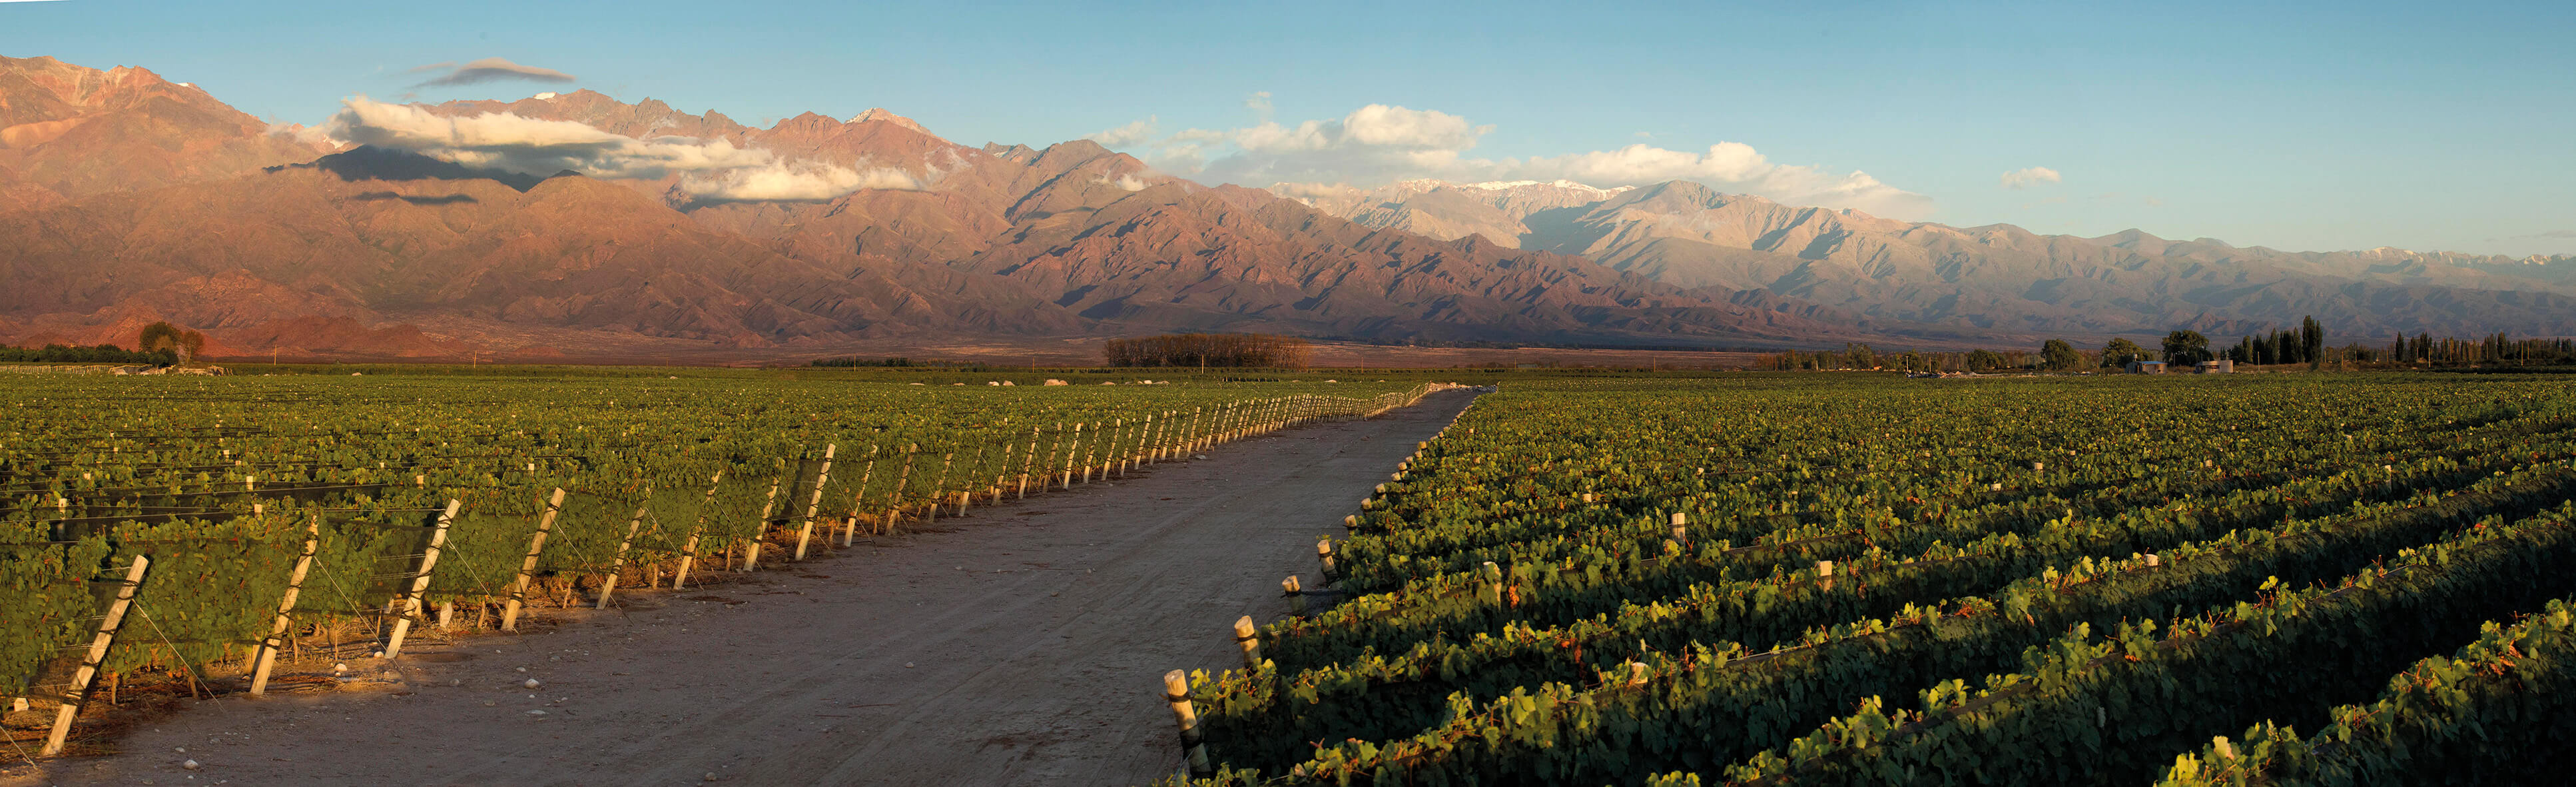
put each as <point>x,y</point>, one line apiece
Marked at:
<point>2297,126</point>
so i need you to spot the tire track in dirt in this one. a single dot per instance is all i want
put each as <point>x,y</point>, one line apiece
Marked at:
<point>1020,645</point>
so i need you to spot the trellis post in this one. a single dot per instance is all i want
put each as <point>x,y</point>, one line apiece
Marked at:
<point>408,606</point>
<point>894,502</point>
<point>78,694</point>
<point>760,530</point>
<point>858,497</point>
<point>609,584</point>
<point>1070,451</point>
<point>268,647</point>
<point>1248,638</point>
<point>814,503</point>
<point>528,564</point>
<point>1176,690</point>
<point>689,551</point>
<point>1029,462</point>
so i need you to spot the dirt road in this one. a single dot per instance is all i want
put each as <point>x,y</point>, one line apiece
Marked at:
<point>1021,645</point>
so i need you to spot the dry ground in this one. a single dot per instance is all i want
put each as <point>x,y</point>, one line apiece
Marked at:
<point>1021,645</point>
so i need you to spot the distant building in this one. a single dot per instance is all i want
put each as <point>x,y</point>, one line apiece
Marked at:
<point>2146,367</point>
<point>2220,366</point>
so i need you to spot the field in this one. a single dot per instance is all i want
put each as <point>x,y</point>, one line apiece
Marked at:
<point>225,485</point>
<point>2001,582</point>
<point>1586,578</point>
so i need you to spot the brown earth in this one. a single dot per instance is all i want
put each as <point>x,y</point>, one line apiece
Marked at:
<point>1023,644</point>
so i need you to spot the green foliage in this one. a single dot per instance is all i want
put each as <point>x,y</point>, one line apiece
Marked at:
<point>221,481</point>
<point>2119,352</point>
<point>2184,348</point>
<point>2057,355</point>
<point>1969,524</point>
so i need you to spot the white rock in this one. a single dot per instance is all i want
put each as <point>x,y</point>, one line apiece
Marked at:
<point>907,665</point>
<point>532,683</point>
<point>536,713</point>
<point>190,765</point>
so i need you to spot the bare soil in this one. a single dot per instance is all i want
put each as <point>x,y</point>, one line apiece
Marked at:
<point>1021,645</point>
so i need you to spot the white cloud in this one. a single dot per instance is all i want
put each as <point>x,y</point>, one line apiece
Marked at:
<point>708,169</point>
<point>1379,144</point>
<point>1126,135</point>
<point>1128,181</point>
<point>797,181</point>
<point>2027,177</point>
<point>1259,103</point>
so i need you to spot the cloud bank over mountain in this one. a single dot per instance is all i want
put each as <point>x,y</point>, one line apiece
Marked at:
<point>1380,143</point>
<point>708,170</point>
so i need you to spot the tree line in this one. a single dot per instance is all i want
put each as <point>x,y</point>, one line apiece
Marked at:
<point>2303,345</point>
<point>1209,350</point>
<point>104,353</point>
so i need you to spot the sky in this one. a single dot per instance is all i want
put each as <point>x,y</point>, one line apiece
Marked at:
<point>2298,126</point>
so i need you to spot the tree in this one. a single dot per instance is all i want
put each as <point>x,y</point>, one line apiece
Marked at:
<point>2312,340</point>
<point>2119,352</point>
<point>2057,355</point>
<point>2184,348</point>
<point>164,336</point>
<point>1862,357</point>
<point>1983,360</point>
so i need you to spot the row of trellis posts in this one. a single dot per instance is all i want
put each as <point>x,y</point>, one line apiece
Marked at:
<point>1150,441</point>
<point>1175,687</point>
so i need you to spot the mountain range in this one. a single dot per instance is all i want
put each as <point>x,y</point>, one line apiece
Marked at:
<point>578,224</point>
<point>1994,277</point>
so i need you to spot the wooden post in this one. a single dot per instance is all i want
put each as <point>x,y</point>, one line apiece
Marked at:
<point>858,497</point>
<point>1070,452</point>
<point>608,584</point>
<point>1296,595</point>
<point>78,694</point>
<point>975,471</point>
<point>1176,690</point>
<point>1144,443</point>
<point>1324,555</point>
<point>1248,638</point>
<point>760,529</point>
<point>1681,533</point>
<point>947,463</point>
<point>689,550</point>
<point>1197,416</point>
<point>894,501</point>
<point>813,503</point>
<point>528,564</point>
<point>1162,447</point>
<point>266,658</point>
<point>1090,459</point>
<point>408,606</point>
<point>1029,462</point>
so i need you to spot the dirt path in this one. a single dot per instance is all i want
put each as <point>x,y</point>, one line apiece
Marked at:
<point>1021,646</point>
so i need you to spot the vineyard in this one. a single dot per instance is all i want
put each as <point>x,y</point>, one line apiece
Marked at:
<point>1764,580</point>
<point>171,529</point>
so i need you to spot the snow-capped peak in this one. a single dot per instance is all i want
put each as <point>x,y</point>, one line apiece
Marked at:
<point>1505,185</point>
